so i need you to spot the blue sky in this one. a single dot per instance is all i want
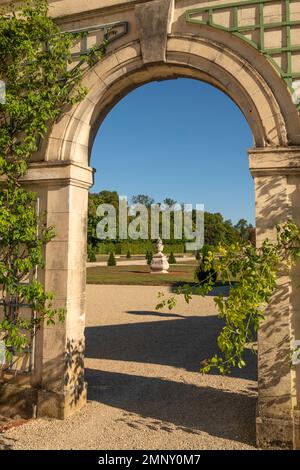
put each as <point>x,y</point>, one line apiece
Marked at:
<point>182,139</point>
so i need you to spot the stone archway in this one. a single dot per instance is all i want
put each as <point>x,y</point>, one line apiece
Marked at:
<point>160,45</point>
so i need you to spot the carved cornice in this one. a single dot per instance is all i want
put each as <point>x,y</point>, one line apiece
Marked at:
<point>274,161</point>
<point>85,15</point>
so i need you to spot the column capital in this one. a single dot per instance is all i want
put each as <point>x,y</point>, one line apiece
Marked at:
<point>274,161</point>
<point>59,173</point>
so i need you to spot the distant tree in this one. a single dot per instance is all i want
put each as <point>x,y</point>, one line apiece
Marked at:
<point>128,256</point>
<point>244,229</point>
<point>252,236</point>
<point>95,199</point>
<point>217,230</point>
<point>172,259</point>
<point>92,220</point>
<point>109,197</point>
<point>170,202</point>
<point>142,199</point>
<point>111,260</point>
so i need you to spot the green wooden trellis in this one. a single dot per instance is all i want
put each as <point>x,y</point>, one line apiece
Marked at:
<point>119,29</point>
<point>208,13</point>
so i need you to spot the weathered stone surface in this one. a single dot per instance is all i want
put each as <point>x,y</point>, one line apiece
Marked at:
<point>153,20</point>
<point>161,45</point>
<point>57,405</point>
<point>274,433</point>
<point>159,263</point>
<point>17,400</point>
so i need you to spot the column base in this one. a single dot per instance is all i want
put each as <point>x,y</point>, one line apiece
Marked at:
<point>60,405</point>
<point>29,402</point>
<point>297,429</point>
<point>17,400</point>
<point>274,433</point>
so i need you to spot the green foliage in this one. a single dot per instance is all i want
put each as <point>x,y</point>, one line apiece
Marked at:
<point>244,229</point>
<point>33,65</point>
<point>172,259</point>
<point>169,201</point>
<point>202,273</point>
<point>33,58</point>
<point>95,199</point>
<point>111,260</point>
<point>255,271</point>
<point>217,230</point>
<point>142,199</point>
<point>128,256</point>
<point>91,254</point>
<point>198,255</point>
<point>118,248</point>
<point>149,257</point>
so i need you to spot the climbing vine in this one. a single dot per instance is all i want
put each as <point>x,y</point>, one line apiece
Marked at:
<point>40,81</point>
<point>252,274</point>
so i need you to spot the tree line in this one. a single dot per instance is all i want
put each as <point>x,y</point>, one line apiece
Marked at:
<point>216,228</point>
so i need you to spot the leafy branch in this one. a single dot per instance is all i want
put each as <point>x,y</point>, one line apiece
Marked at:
<point>41,81</point>
<point>256,272</point>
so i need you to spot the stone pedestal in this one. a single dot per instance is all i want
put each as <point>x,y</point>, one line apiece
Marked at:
<point>159,263</point>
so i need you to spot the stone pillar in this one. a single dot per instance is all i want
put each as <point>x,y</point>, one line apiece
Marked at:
<point>56,386</point>
<point>276,175</point>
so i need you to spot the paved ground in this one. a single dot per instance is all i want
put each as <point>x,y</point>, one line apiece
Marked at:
<point>145,391</point>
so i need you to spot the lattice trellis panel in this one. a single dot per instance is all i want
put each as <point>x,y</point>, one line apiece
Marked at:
<point>94,36</point>
<point>271,26</point>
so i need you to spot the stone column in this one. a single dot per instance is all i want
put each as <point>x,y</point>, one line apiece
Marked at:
<point>276,175</point>
<point>56,386</point>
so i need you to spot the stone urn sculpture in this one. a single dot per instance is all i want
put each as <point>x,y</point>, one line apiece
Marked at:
<point>159,263</point>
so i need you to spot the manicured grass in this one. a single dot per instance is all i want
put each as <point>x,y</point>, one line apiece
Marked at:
<point>140,275</point>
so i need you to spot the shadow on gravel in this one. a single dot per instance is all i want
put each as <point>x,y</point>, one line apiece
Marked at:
<point>175,405</point>
<point>7,423</point>
<point>6,443</point>
<point>219,288</point>
<point>181,342</point>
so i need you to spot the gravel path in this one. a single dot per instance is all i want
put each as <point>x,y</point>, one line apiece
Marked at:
<point>145,391</point>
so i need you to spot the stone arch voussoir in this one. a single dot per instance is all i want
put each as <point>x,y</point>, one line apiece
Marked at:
<point>124,69</point>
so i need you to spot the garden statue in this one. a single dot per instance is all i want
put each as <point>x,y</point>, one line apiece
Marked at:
<point>159,263</point>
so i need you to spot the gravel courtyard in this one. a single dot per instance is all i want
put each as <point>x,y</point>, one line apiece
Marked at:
<point>144,388</point>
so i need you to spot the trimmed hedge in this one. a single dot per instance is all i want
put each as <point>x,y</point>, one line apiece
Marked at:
<point>136,248</point>
<point>172,259</point>
<point>111,260</point>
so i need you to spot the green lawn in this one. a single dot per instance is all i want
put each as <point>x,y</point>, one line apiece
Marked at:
<point>140,275</point>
